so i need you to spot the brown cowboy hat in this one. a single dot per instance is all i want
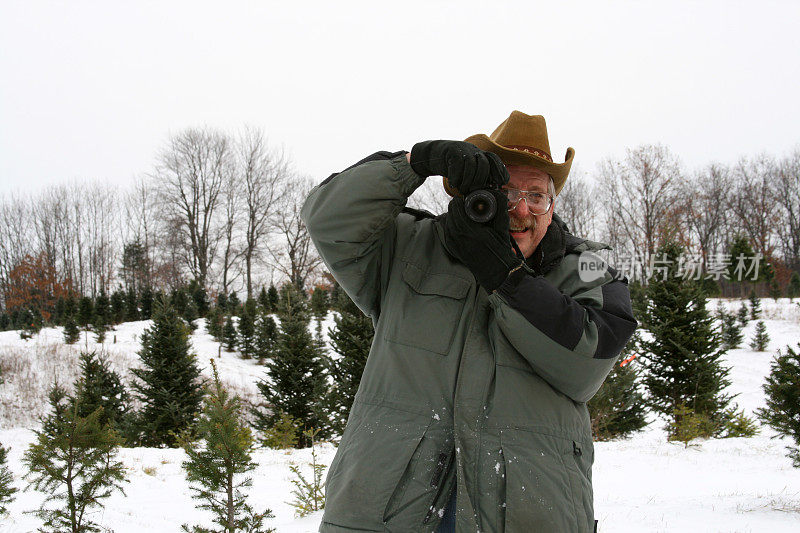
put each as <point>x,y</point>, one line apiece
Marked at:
<point>522,140</point>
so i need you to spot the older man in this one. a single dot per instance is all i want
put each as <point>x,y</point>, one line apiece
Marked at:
<point>488,340</point>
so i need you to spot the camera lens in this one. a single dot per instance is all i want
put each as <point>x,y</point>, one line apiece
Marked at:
<point>480,206</point>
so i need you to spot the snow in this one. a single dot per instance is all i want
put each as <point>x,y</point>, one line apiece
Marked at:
<point>640,484</point>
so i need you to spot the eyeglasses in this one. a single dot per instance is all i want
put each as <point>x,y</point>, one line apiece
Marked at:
<point>538,202</point>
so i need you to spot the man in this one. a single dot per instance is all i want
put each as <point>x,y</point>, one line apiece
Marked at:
<point>488,342</point>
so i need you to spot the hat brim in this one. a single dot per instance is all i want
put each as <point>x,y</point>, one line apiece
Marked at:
<point>509,156</point>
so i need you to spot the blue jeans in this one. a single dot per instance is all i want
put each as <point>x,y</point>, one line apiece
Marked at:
<point>448,523</point>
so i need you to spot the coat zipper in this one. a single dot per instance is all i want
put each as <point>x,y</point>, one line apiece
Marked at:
<point>443,465</point>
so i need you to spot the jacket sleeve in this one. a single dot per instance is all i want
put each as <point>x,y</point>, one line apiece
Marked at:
<point>570,340</point>
<point>351,220</point>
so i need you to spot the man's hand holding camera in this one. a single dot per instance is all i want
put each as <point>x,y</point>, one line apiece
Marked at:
<point>482,243</point>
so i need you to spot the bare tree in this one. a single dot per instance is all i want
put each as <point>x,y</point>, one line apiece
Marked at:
<point>431,196</point>
<point>639,192</point>
<point>264,176</point>
<point>577,206</point>
<point>753,202</point>
<point>787,195</point>
<point>295,255</point>
<point>704,198</point>
<point>228,228</point>
<point>191,172</point>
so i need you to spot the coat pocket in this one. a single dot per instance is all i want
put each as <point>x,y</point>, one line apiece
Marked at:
<point>544,487</point>
<point>369,466</point>
<point>426,310</point>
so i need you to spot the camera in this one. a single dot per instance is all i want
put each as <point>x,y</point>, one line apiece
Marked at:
<point>480,206</point>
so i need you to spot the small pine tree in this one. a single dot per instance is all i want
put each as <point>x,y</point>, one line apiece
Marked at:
<point>168,384</point>
<point>730,332</point>
<point>214,319</point>
<point>71,331</point>
<point>737,424</point>
<point>309,495</point>
<point>755,305</point>
<point>761,339</point>
<point>351,338</point>
<point>297,384</point>
<point>743,316</point>
<point>146,302</point>
<point>5,321</point>
<point>7,488</point>
<point>199,297</point>
<point>131,306</point>
<point>190,314</point>
<point>250,307</point>
<point>222,302</point>
<point>263,301</point>
<point>282,434</point>
<point>102,310</point>
<point>793,290</point>
<point>687,425</point>
<point>72,462</point>
<point>30,325</point>
<point>319,303</point>
<point>774,289</point>
<point>58,316</point>
<point>684,357</point>
<point>266,333</point>
<point>100,386</point>
<point>273,295</point>
<point>85,312</point>
<point>215,467</point>
<point>246,334</point>
<point>179,300</point>
<point>234,304</point>
<point>617,409</point>
<point>118,307</point>
<point>229,335</point>
<point>783,399</point>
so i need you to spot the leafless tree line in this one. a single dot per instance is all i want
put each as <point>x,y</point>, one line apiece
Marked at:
<point>217,208</point>
<point>637,202</point>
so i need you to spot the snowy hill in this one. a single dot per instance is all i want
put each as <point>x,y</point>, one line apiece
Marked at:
<point>640,484</point>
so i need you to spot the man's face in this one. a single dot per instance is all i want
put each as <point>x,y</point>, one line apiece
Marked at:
<point>526,228</point>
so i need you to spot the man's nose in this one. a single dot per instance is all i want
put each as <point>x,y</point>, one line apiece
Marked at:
<point>521,209</point>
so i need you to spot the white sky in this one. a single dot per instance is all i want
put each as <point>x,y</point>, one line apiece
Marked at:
<point>91,90</point>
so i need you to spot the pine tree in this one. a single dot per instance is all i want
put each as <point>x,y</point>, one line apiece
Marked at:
<point>740,246</point>
<point>730,332</point>
<point>246,334</point>
<point>266,333</point>
<point>618,407</point>
<point>229,335</point>
<point>179,300</point>
<point>71,331</point>
<point>5,321</point>
<point>272,293</point>
<point>102,309</point>
<point>351,338</point>
<point>131,306</point>
<point>72,462</point>
<point>309,495</point>
<point>214,319</point>
<point>7,488</point>
<point>684,358</point>
<point>319,303</point>
<point>775,289</point>
<point>743,316</point>
<point>85,312</point>
<point>222,302</point>
<point>250,307</point>
<point>118,307</point>
<point>263,300</point>
<point>168,385</point>
<point>199,297</point>
<point>793,291</point>
<point>233,304</point>
<point>755,305</point>
<point>58,316</point>
<point>783,399</point>
<point>761,339</point>
<point>147,300</point>
<point>100,386</point>
<point>297,383</point>
<point>216,466</point>
<point>190,314</point>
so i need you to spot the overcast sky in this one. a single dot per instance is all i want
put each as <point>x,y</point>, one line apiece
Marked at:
<point>91,90</point>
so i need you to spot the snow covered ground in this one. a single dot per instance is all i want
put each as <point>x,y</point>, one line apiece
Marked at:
<point>643,484</point>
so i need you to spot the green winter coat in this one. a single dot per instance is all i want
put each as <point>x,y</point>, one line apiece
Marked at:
<point>485,391</point>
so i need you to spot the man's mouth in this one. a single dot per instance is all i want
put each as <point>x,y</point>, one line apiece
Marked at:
<point>518,231</point>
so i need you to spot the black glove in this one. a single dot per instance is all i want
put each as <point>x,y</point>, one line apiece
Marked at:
<point>466,167</point>
<point>486,249</point>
